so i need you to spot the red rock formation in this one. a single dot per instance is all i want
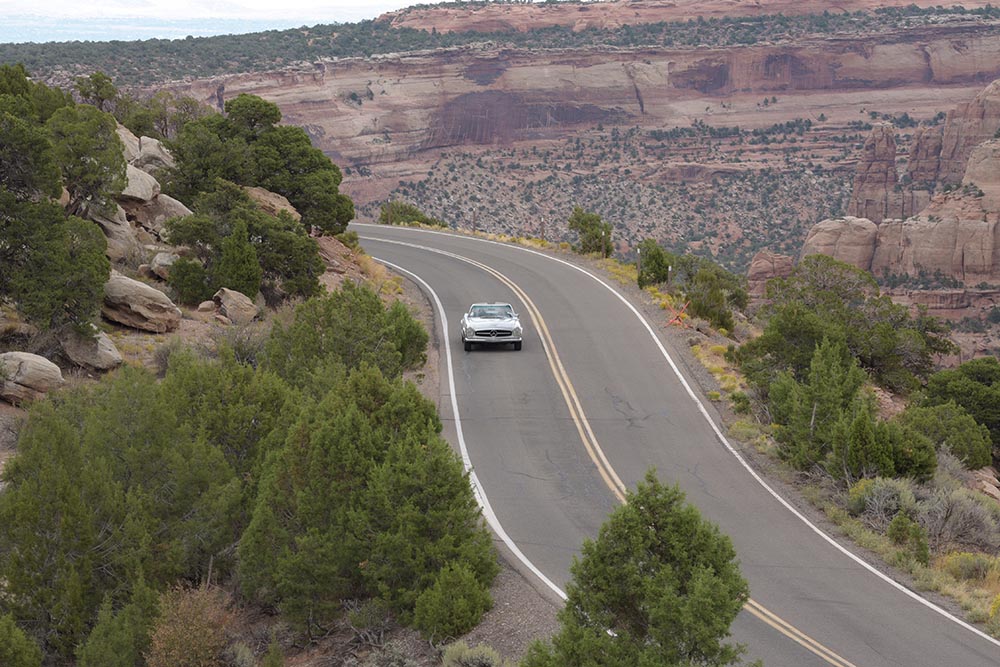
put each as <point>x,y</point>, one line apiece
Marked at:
<point>848,239</point>
<point>764,266</point>
<point>942,157</point>
<point>875,194</point>
<point>956,234</point>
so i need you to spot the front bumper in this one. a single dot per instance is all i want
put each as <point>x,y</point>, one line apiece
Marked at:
<point>498,336</point>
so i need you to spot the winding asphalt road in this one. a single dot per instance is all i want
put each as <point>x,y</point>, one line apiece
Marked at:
<point>815,605</point>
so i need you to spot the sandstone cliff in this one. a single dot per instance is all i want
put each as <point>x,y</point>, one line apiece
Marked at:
<point>942,157</point>
<point>375,116</point>
<point>954,237</point>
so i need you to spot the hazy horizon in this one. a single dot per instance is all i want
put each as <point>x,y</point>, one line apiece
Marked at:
<point>68,21</point>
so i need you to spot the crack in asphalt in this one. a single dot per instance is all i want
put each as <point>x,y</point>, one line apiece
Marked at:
<point>625,409</point>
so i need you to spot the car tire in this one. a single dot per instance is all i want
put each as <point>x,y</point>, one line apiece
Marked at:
<point>468,346</point>
<point>517,346</point>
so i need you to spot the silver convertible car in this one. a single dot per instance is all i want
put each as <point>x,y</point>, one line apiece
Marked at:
<point>491,324</point>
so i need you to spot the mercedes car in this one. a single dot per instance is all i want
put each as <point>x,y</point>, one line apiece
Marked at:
<point>491,324</point>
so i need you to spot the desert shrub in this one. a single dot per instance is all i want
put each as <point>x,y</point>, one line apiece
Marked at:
<point>966,566</point>
<point>741,402</point>
<point>461,654</point>
<point>390,655</point>
<point>191,632</point>
<point>16,649</point>
<point>881,500</point>
<point>370,620</point>
<point>959,518</point>
<point>245,341</point>
<point>453,605</point>
<point>857,495</point>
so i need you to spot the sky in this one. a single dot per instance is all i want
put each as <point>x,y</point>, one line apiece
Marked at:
<point>127,20</point>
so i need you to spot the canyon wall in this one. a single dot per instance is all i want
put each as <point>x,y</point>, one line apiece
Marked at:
<point>386,109</point>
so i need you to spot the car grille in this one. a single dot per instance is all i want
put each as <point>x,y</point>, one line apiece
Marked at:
<point>492,333</point>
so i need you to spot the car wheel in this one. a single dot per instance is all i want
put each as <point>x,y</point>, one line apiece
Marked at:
<point>468,346</point>
<point>517,345</point>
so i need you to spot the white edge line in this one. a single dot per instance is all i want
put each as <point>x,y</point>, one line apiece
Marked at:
<point>722,438</point>
<point>477,488</point>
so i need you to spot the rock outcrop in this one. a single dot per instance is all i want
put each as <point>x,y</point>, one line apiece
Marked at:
<point>235,306</point>
<point>138,305</point>
<point>27,376</point>
<point>98,352</point>
<point>875,194</point>
<point>764,266</point>
<point>141,186</point>
<point>848,239</point>
<point>150,215</point>
<point>271,202</point>
<point>161,263</point>
<point>153,156</point>
<point>122,239</point>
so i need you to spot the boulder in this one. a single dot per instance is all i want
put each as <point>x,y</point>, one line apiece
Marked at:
<point>141,186</point>
<point>138,305</point>
<point>122,241</point>
<point>235,306</point>
<point>848,239</point>
<point>206,307</point>
<point>98,352</point>
<point>162,261</point>
<point>130,141</point>
<point>153,156</point>
<point>151,215</point>
<point>766,265</point>
<point>27,376</point>
<point>271,202</point>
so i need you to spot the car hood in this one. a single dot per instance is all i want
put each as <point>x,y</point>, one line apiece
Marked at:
<point>492,322</point>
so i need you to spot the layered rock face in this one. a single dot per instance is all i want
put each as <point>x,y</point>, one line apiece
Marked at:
<point>372,115</point>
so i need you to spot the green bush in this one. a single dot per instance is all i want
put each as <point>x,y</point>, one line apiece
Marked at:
<point>899,529</point>
<point>190,282</point>
<point>453,605</point>
<point>949,426</point>
<point>16,650</point>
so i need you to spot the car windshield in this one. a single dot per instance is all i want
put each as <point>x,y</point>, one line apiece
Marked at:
<point>492,312</point>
